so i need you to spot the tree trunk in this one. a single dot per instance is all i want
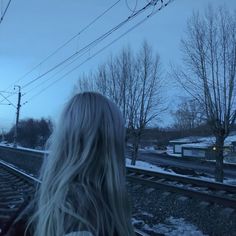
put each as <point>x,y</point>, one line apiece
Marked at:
<point>135,150</point>
<point>219,171</point>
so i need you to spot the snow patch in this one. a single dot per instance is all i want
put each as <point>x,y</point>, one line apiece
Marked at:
<point>174,227</point>
<point>170,152</point>
<point>147,166</point>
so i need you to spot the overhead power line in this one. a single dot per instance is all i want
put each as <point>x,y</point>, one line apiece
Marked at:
<point>8,92</point>
<point>92,44</point>
<point>56,73</point>
<point>61,47</point>
<point>102,49</point>
<point>5,98</point>
<point>67,42</point>
<point>5,11</point>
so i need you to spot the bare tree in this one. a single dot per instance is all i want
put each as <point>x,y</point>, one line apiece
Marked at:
<point>189,115</point>
<point>209,50</point>
<point>145,89</point>
<point>133,82</point>
<point>85,83</point>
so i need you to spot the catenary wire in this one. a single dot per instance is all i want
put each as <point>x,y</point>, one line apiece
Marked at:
<point>98,52</point>
<point>1,7</point>
<point>46,80</point>
<point>94,43</point>
<point>66,43</point>
<point>5,98</point>
<point>63,45</point>
<point>130,9</point>
<point>5,11</point>
<point>90,45</point>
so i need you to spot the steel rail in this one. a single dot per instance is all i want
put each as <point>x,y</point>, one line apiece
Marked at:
<point>184,179</point>
<point>222,195</point>
<point>26,177</point>
<point>17,189</point>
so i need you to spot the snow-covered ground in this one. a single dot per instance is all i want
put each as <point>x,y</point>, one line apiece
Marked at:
<point>147,166</point>
<point>170,227</point>
<point>152,150</point>
<point>22,148</point>
<point>170,152</point>
<point>174,227</point>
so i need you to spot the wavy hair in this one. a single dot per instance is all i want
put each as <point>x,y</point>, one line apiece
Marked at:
<point>83,177</point>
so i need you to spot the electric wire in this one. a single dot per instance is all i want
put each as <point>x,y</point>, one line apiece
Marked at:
<point>90,45</point>
<point>102,49</point>
<point>1,7</point>
<point>5,98</point>
<point>62,46</point>
<point>5,11</point>
<point>7,92</point>
<point>46,80</point>
<point>135,6</point>
<point>94,43</point>
<point>5,104</point>
<point>67,42</point>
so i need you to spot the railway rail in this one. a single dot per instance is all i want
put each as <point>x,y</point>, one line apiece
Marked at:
<point>221,194</point>
<point>16,187</point>
<point>16,191</point>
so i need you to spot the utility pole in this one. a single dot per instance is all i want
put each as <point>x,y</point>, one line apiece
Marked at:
<point>17,114</point>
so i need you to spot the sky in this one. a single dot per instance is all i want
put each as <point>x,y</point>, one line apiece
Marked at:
<point>32,30</point>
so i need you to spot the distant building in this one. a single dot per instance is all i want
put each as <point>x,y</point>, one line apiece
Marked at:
<point>201,147</point>
<point>177,143</point>
<point>199,150</point>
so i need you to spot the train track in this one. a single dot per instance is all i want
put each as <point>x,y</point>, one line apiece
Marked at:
<point>16,191</point>
<point>221,194</point>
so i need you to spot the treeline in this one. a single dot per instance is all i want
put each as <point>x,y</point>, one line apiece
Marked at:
<point>160,137</point>
<point>32,133</point>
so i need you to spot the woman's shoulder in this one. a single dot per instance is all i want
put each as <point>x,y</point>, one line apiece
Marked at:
<point>79,233</point>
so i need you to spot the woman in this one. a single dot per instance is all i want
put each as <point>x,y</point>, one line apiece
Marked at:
<point>83,179</point>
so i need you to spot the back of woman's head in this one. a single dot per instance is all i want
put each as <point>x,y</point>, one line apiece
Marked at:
<point>83,178</point>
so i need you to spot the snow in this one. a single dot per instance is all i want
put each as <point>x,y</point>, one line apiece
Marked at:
<point>199,142</point>
<point>174,226</point>
<point>148,148</point>
<point>190,139</point>
<point>170,152</point>
<point>174,154</point>
<point>151,149</point>
<point>230,181</point>
<point>198,145</point>
<point>137,222</point>
<point>144,213</point>
<point>194,143</point>
<point>147,166</point>
<point>23,148</point>
<point>150,167</point>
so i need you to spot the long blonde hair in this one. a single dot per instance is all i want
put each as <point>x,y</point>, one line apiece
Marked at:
<point>83,178</point>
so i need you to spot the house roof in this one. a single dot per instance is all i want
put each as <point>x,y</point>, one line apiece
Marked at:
<point>203,142</point>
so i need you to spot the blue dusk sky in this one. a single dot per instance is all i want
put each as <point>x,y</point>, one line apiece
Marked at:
<point>32,30</point>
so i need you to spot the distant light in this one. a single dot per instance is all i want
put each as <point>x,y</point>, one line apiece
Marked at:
<point>214,148</point>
